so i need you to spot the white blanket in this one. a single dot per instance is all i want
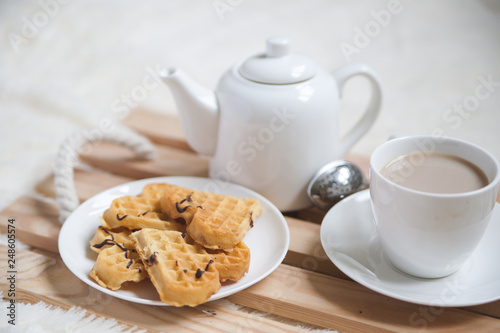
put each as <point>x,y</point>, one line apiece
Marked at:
<point>45,318</point>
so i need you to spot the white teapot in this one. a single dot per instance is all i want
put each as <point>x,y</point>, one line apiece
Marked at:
<point>272,122</point>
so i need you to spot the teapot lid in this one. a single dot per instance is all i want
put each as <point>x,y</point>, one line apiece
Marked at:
<point>277,65</point>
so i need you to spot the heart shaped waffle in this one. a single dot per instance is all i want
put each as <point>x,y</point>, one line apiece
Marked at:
<point>182,273</point>
<point>141,211</point>
<point>117,262</point>
<point>213,220</point>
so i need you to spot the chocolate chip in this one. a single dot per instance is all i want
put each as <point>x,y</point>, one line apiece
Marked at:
<point>179,209</point>
<point>106,231</point>
<point>122,247</point>
<point>188,199</point>
<point>152,259</point>
<point>107,241</point>
<point>210,262</point>
<point>199,273</point>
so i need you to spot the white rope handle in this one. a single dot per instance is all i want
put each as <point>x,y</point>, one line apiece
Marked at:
<point>67,158</point>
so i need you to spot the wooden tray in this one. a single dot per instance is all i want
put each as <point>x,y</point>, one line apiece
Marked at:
<point>306,291</point>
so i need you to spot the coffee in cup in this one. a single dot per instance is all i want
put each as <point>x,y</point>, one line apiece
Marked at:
<point>427,225</point>
<point>436,173</point>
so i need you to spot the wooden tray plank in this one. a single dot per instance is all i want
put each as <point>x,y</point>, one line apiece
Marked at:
<point>344,305</point>
<point>36,222</point>
<point>214,317</point>
<point>26,296</point>
<point>87,183</point>
<point>159,128</point>
<point>305,249</point>
<point>46,278</point>
<point>311,214</point>
<point>169,162</point>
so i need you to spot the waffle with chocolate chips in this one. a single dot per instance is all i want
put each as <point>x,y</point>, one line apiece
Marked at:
<point>181,270</point>
<point>213,220</point>
<point>141,211</point>
<point>232,264</point>
<point>118,261</point>
<point>104,238</point>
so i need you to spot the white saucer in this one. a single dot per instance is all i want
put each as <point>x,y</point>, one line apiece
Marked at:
<point>268,240</point>
<point>350,240</point>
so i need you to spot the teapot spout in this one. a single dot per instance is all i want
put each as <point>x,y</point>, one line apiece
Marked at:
<point>197,108</point>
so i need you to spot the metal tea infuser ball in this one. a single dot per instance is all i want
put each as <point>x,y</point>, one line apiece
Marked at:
<point>335,181</point>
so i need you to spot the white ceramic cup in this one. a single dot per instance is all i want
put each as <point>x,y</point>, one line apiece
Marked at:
<point>425,234</point>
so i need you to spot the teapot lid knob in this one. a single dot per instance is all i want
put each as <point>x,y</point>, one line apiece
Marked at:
<point>277,47</point>
<point>278,65</point>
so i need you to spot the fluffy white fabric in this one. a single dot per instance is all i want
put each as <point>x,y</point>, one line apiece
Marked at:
<point>44,318</point>
<point>66,65</point>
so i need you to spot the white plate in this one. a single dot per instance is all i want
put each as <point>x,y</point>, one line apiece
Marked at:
<point>268,240</point>
<point>350,240</point>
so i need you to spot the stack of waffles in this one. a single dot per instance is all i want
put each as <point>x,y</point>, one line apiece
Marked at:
<point>187,242</point>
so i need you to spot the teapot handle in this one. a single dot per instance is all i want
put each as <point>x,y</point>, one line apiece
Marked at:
<point>341,75</point>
